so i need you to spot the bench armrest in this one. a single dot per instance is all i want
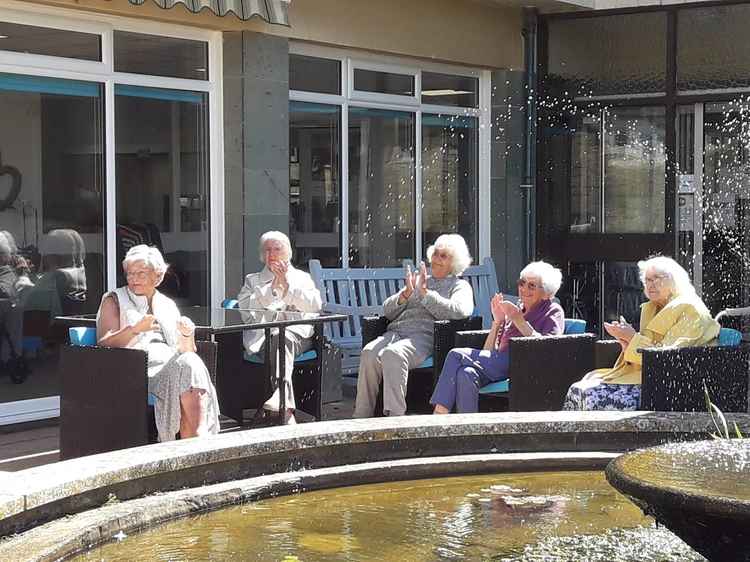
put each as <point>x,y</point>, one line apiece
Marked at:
<point>373,327</point>
<point>673,378</point>
<point>542,369</point>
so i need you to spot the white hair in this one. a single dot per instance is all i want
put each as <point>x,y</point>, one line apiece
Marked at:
<point>674,274</point>
<point>149,255</point>
<point>458,249</point>
<point>278,237</point>
<point>548,274</point>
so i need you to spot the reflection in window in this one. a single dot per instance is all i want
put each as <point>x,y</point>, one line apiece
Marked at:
<point>712,49</point>
<point>50,42</point>
<point>383,82</point>
<point>604,55</point>
<point>314,186</point>
<point>446,89</point>
<point>162,163</point>
<point>51,237</point>
<point>450,163</point>
<point>634,170</point>
<point>313,74</point>
<point>160,56</point>
<point>381,187</point>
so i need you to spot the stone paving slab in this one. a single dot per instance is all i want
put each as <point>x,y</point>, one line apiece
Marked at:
<point>49,491</point>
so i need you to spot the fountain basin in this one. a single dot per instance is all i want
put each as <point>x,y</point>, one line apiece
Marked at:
<point>248,465</point>
<point>699,490</point>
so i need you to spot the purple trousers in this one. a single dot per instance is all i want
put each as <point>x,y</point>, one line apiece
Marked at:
<point>465,371</point>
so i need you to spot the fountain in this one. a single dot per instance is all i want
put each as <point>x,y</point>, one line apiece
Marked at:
<point>698,490</point>
<point>58,510</point>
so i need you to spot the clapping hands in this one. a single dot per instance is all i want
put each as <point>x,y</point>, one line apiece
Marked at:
<point>414,281</point>
<point>621,331</point>
<point>279,270</point>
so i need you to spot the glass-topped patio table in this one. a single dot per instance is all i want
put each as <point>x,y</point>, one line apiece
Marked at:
<point>225,327</point>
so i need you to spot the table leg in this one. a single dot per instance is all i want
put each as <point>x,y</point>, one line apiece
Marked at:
<point>281,373</point>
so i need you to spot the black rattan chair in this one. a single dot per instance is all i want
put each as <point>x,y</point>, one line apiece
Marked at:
<point>422,379</point>
<point>541,370</point>
<point>104,398</point>
<point>245,385</point>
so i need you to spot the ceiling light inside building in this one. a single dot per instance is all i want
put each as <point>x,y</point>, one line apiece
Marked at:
<point>444,92</point>
<point>3,36</point>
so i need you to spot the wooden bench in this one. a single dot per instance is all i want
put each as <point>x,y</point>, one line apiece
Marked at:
<point>360,293</point>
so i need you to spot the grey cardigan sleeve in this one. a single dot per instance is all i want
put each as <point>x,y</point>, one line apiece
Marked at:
<point>459,305</point>
<point>391,308</point>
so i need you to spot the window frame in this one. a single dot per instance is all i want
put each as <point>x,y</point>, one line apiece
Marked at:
<point>351,60</point>
<point>103,73</point>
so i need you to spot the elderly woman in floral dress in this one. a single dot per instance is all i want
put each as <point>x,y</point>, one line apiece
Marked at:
<point>138,316</point>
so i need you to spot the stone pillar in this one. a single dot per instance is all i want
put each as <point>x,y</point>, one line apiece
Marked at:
<point>507,246</point>
<point>256,146</point>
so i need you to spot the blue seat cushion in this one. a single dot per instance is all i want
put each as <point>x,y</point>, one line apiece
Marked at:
<point>729,337</point>
<point>495,387</point>
<point>426,364</point>
<point>308,355</point>
<point>151,399</point>
<point>230,303</point>
<point>574,326</point>
<point>32,344</point>
<point>82,335</point>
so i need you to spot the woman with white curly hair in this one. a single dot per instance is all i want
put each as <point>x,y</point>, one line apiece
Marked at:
<point>138,316</point>
<point>411,313</point>
<point>466,370</point>
<point>673,316</point>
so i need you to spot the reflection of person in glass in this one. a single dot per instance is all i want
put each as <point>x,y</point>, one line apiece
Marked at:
<point>674,316</point>
<point>466,370</point>
<point>11,316</point>
<point>411,314</point>
<point>60,287</point>
<point>138,316</point>
<point>280,286</point>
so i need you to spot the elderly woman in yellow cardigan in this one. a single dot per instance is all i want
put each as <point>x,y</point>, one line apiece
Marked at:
<point>674,316</point>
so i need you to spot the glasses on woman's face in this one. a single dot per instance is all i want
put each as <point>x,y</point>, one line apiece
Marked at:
<point>137,274</point>
<point>441,254</point>
<point>654,280</point>
<point>530,285</point>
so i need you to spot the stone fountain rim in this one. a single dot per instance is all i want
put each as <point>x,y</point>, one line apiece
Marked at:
<point>671,497</point>
<point>63,539</point>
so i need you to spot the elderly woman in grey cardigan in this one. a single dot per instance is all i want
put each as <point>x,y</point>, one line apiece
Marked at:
<point>411,312</point>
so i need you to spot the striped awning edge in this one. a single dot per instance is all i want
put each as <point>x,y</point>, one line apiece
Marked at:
<point>273,11</point>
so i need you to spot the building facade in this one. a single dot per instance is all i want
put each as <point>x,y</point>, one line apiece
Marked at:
<point>363,129</point>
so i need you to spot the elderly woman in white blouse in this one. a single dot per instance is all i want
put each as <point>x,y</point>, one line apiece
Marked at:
<point>280,286</point>
<point>138,316</point>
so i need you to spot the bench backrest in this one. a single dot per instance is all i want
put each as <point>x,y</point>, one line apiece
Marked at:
<point>360,292</point>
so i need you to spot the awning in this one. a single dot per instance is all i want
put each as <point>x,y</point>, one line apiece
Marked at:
<point>273,11</point>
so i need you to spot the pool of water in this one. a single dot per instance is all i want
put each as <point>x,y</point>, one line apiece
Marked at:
<point>529,516</point>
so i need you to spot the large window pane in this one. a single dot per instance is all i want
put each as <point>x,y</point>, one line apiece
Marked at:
<point>603,55</point>
<point>634,170</point>
<point>47,41</point>
<point>313,74</point>
<point>446,89</point>
<point>162,162</point>
<point>712,48</point>
<point>450,163</point>
<point>160,56</point>
<point>383,82</point>
<point>381,187</point>
<point>51,237</point>
<point>314,186</point>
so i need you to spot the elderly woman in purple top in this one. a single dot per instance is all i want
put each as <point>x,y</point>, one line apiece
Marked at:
<point>466,370</point>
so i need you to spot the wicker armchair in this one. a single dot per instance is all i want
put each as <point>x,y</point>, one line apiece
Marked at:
<point>104,398</point>
<point>244,385</point>
<point>422,379</point>
<point>673,379</point>
<point>541,370</point>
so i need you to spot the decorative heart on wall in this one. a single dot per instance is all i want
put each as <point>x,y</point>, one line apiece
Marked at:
<point>15,184</point>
